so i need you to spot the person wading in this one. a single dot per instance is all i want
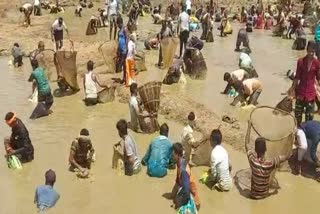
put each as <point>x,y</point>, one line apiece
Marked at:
<point>57,32</point>
<point>46,197</point>
<point>184,29</point>
<point>19,142</point>
<point>132,163</point>
<point>90,82</point>
<point>308,71</point>
<point>260,167</point>
<point>45,98</point>
<point>81,154</point>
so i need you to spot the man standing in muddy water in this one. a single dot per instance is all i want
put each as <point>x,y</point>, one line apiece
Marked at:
<point>45,98</point>
<point>183,29</point>
<point>308,71</point>
<point>260,167</point>
<point>19,141</point>
<point>132,163</point>
<point>57,32</point>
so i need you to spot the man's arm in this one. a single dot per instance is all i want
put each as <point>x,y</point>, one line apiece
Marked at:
<point>239,98</point>
<point>247,138</point>
<point>227,89</point>
<point>65,27</point>
<point>95,79</point>
<point>73,162</point>
<point>146,157</point>
<point>31,78</point>
<point>36,197</point>
<point>213,168</point>
<point>91,151</point>
<point>52,33</point>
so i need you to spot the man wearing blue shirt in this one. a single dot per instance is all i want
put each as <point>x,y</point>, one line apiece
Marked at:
<point>311,130</point>
<point>159,154</point>
<point>46,197</point>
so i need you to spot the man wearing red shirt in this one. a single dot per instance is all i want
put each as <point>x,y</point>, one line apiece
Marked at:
<point>308,70</point>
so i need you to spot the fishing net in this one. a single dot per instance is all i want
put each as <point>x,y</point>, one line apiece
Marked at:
<point>108,51</point>
<point>140,61</point>
<point>67,65</point>
<point>276,126</point>
<point>46,60</point>
<point>168,47</point>
<point>195,63</point>
<point>107,94</point>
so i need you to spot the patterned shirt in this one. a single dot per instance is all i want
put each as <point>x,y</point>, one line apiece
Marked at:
<point>261,173</point>
<point>305,89</point>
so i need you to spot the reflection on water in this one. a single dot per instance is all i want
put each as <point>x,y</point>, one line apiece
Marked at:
<point>52,137</point>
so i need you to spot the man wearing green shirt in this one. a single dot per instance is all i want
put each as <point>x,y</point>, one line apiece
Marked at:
<point>45,98</point>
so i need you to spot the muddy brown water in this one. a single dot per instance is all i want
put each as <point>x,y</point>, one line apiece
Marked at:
<point>105,191</point>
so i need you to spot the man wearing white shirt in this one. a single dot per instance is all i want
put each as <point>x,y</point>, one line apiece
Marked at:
<point>27,9</point>
<point>184,28</point>
<point>57,32</point>
<point>219,173</point>
<point>37,8</point>
<point>112,12</point>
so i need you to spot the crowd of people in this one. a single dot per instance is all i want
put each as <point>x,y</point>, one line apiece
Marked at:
<point>162,154</point>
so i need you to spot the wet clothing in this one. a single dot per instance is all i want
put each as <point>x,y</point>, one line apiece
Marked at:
<point>91,91</point>
<point>133,105</point>
<point>17,54</point>
<point>220,174</point>
<point>245,63</point>
<point>158,157</point>
<point>42,82</point>
<point>21,143</point>
<point>312,132</point>
<point>261,172</point>
<point>130,149</point>
<point>82,155</point>
<point>46,197</point>
<point>187,183</point>
<point>90,86</point>
<point>242,38</point>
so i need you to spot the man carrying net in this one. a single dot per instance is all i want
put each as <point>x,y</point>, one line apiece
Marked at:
<point>261,168</point>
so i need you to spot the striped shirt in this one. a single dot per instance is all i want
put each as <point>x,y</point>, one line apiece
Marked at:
<point>261,173</point>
